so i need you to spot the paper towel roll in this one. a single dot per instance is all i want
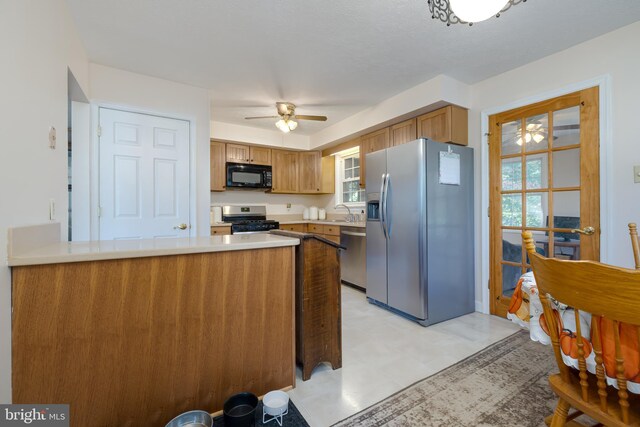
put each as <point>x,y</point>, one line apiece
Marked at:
<point>305,213</point>
<point>217,214</point>
<point>313,213</point>
<point>322,214</point>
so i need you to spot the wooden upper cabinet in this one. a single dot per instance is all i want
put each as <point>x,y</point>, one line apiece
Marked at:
<point>328,179</point>
<point>285,171</point>
<point>237,153</point>
<point>260,156</point>
<point>375,141</point>
<point>448,124</point>
<point>217,164</point>
<point>403,132</point>
<point>309,171</point>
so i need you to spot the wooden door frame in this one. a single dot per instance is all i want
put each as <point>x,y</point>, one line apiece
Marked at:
<point>606,136</point>
<point>95,164</point>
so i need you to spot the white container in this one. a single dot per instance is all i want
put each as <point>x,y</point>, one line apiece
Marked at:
<point>313,213</point>
<point>216,214</point>
<point>275,406</point>
<point>322,214</point>
<point>305,213</point>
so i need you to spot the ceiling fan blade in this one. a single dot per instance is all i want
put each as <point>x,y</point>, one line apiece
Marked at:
<point>262,117</point>
<point>566,127</point>
<point>316,118</point>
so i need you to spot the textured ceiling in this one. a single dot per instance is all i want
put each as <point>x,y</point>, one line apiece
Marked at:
<point>331,57</point>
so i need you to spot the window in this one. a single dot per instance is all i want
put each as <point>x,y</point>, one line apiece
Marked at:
<point>348,189</point>
<point>512,203</point>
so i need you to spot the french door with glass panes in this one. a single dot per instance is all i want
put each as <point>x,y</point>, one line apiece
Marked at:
<point>544,177</point>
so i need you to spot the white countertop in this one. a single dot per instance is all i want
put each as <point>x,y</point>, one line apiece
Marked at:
<point>62,252</point>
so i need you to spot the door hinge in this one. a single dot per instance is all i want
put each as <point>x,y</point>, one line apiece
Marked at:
<point>489,284</point>
<point>489,212</point>
<point>99,131</point>
<point>99,211</point>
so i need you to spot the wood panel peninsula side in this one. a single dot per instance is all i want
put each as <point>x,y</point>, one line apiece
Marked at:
<point>137,340</point>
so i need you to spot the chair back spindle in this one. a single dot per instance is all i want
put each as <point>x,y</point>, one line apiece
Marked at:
<point>633,232</point>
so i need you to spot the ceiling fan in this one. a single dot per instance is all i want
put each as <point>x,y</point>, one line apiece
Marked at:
<point>287,115</point>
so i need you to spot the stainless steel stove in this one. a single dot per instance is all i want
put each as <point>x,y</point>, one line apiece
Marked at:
<point>248,219</point>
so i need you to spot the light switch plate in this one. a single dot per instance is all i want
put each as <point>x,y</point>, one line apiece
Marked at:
<point>52,209</point>
<point>636,174</point>
<point>52,138</point>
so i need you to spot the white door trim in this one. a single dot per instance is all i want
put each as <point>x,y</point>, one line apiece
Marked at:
<point>606,138</point>
<point>95,161</point>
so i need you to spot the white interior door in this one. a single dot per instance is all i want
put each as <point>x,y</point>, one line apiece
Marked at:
<point>144,176</point>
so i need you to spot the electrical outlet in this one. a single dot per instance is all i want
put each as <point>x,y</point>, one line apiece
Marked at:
<point>636,174</point>
<point>288,205</point>
<point>52,209</point>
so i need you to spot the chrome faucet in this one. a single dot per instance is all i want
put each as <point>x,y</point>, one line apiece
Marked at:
<point>349,216</point>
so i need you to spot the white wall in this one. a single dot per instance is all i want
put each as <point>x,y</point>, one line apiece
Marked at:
<point>259,136</point>
<point>276,203</point>
<point>614,55</point>
<point>118,88</point>
<point>38,42</point>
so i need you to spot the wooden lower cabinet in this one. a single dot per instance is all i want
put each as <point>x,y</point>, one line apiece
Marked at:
<point>329,232</point>
<point>135,342</point>
<point>300,228</point>
<point>222,230</point>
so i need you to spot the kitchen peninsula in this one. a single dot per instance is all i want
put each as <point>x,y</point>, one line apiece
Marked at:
<point>135,332</point>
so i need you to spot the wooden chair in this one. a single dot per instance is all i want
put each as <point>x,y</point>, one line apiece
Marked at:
<point>633,232</point>
<point>607,292</point>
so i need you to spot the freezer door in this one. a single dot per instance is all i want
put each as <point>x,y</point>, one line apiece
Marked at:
<point>406,225</point>
<point>376,241</point>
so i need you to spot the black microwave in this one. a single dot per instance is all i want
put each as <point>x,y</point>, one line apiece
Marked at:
<point>248,176</point>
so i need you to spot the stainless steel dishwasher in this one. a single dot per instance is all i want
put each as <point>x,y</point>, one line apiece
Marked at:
<point>353,261</point>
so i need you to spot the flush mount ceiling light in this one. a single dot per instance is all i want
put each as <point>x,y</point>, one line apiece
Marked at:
<point>468,11</point>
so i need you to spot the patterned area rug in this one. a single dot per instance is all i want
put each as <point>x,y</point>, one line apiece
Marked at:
<point>502,385</point>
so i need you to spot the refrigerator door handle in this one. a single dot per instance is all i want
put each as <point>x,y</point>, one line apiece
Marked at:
<point>386,195</point>
<point>382,181</point>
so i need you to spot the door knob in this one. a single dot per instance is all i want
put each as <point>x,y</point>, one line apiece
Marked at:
<point>180,227</point>
<point>587,231</point>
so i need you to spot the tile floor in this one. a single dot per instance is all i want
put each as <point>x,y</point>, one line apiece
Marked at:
<point>382,353</point>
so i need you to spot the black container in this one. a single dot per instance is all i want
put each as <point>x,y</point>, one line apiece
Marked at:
<point>240,410</point>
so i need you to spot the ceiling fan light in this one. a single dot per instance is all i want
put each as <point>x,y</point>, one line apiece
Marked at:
<point>477,10</point>
<point>519,141</point>
<point>538,137</point>
<point>292,124</point>
<point>527,137</point>
<point>282,125</point>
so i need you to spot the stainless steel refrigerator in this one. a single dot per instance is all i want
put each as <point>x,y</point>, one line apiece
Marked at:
<point>420,230</point>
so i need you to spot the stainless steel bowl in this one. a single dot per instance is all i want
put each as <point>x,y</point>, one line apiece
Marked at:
<point>192,419</point>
